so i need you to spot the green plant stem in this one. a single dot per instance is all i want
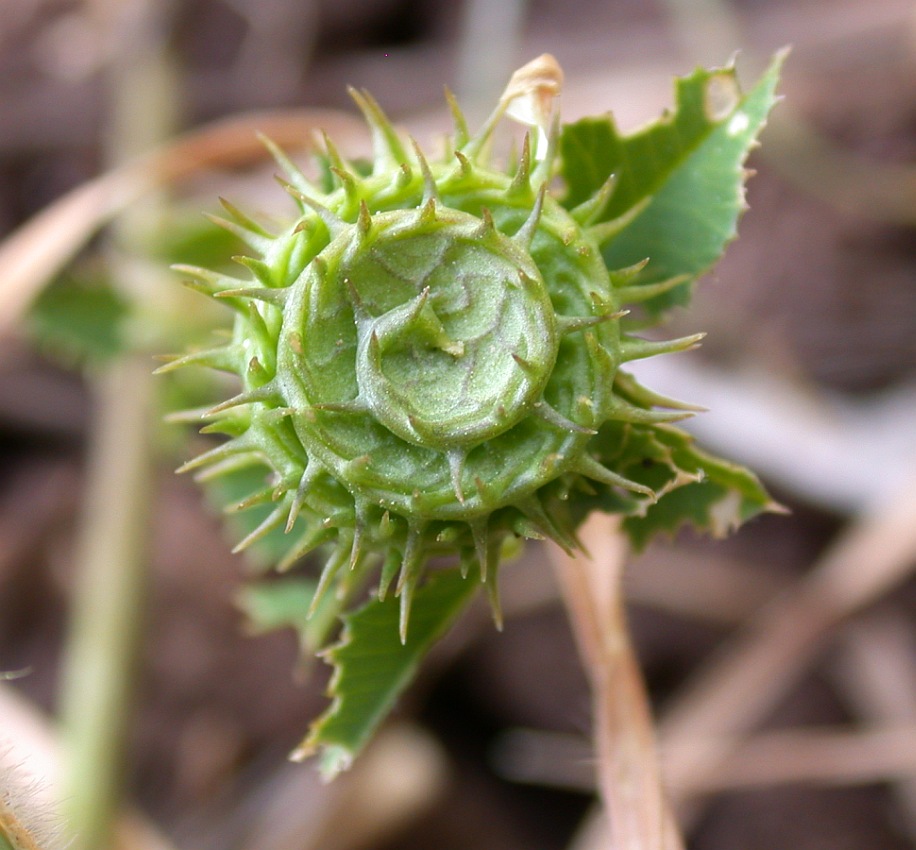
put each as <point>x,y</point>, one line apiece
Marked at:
<point>110,594</point>
<point>107,612</point>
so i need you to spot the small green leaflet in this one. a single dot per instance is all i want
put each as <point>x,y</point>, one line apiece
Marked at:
<point>278,604</point>
<point>285,603</point>
<point>79,320</point>
<point>716,496</point>
<point>372,667</point>
<point>687,168</point>
<point>693,487</point>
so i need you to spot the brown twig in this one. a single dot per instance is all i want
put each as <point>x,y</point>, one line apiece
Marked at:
<point>33,254</point>
<point>628,774</point>
<point>734,692</point>
<point>877,672</point>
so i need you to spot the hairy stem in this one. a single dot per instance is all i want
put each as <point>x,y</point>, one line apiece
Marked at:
<point>628,774</point>
<point>30,776</point>
<point>14,835</point>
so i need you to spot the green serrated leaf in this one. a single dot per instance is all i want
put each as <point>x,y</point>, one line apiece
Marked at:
<point>716,496</point>
<point>372,667</point>
<point>687,168</point>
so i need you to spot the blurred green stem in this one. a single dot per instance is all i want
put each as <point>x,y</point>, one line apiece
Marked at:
<point>110,593</point>
<point>107,608</point>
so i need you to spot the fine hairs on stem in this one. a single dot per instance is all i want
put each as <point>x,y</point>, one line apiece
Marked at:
<point>26,821</point>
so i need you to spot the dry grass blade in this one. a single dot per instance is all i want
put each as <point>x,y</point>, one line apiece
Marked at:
<point>736,690</point>
<point>33,254</point>
<point>628,775</point>
<point>822,756</point>
<point>827,450</point>
<point>877,672</point>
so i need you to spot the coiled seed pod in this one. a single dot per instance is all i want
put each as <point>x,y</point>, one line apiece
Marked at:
<point>429,355</point>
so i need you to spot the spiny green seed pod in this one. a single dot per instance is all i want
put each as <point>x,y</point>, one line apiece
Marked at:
<point>428,353</point>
